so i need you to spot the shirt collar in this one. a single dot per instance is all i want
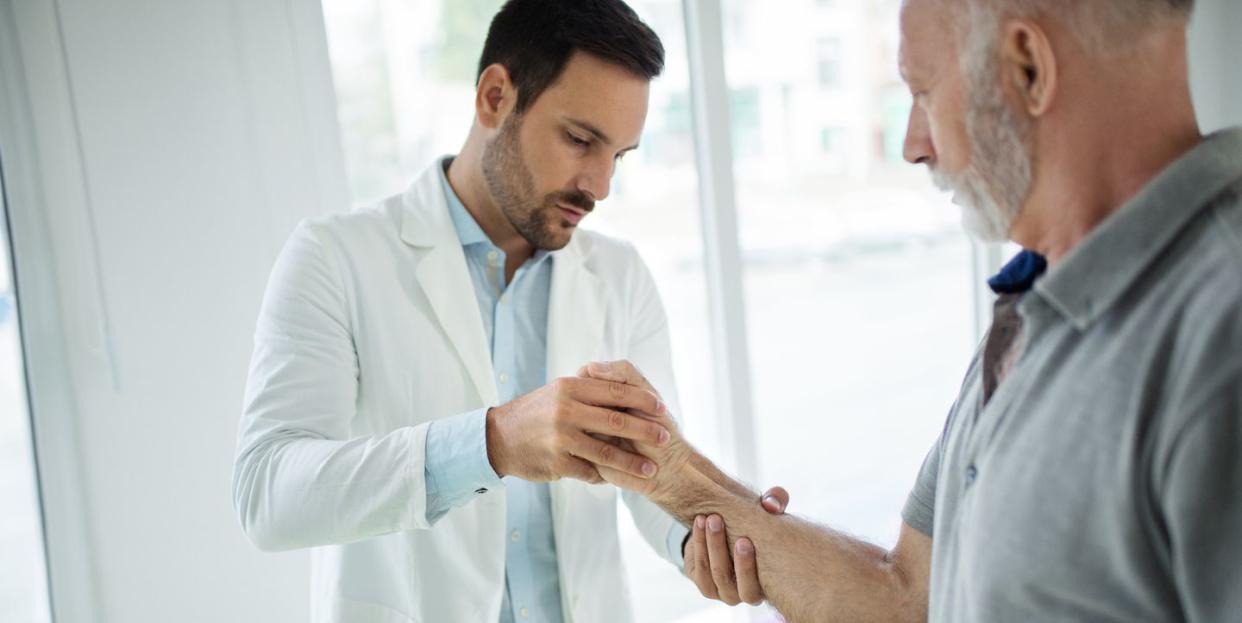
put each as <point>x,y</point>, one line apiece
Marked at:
<point>1099,271</point>
<point>468,230</point>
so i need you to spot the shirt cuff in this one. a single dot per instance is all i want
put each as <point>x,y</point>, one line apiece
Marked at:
<point>457,468</point>
<point>676,537</point>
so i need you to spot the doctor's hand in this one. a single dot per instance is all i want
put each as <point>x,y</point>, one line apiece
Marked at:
<point>561,430</point>
<point>734,578</point>
<point>673,457</point>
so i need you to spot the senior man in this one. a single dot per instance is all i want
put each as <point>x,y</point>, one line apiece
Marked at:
<point>1090,469</point>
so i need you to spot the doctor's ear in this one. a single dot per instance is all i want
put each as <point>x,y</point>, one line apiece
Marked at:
<point>495,96</point>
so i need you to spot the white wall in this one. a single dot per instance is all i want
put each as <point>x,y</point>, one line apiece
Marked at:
<point>159,152</point>
<point>173,145</point>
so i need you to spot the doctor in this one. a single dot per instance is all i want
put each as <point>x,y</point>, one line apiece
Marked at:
<point>412,412</point>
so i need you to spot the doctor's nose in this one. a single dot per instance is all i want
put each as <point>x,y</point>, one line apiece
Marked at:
<point>596,179</point>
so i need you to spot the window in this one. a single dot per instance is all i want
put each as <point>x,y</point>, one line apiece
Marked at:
<point>745,122</point>
<point>23,569</point>
<point>858,278</point>
<point>828,62</point>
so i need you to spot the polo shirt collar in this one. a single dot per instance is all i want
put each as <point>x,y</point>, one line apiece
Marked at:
<point>1099,271</point>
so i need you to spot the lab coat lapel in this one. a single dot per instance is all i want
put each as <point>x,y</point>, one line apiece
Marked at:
<point>576,316</point>
<point>576,312</point>
<point>442,274</point>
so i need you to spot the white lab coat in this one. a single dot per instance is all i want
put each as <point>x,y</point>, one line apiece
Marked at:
<point>369,331</point>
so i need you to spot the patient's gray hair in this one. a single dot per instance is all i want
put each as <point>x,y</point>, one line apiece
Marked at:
<point>1104,27</point>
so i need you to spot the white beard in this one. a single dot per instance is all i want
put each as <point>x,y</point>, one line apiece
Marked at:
<point>982,218</point>
<point>993,187</point>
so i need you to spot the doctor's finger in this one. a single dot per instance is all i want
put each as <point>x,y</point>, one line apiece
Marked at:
<point>619,424</point>
<point>604,454</point>
<point>603,393</point>
<point>775,500</point>
<point>619,371</point>
<point>720,560</point>
<point>579,469</point>
<point>746,571</point>
<point>697,566</point>
<point>642,486</point>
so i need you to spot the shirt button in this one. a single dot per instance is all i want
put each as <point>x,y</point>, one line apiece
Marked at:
<point>504,378</point>
<point>504,299</point>
<point>515,536</point>
<point>524,613</point>
<point>972,473</point>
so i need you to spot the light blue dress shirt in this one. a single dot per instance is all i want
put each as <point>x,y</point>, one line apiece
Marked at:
<point>515,318</point>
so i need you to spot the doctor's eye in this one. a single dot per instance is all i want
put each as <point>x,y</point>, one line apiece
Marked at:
<point>576,141</point>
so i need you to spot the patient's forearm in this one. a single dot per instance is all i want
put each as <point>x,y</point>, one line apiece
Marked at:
<point>808,572</point>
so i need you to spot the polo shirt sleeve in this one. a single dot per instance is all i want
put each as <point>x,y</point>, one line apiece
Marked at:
<point>920,507</point>
<point>1200,499</point>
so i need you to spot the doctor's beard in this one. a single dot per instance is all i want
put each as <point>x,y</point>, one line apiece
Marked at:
<point>512,186</point>
<point>993,187</point>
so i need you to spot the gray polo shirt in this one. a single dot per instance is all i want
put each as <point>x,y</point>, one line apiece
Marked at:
<point>1101,479</point>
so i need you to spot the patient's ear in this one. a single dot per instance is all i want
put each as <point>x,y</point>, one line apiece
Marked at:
<point>1028,66</point>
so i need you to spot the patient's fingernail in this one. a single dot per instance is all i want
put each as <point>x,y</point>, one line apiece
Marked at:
<point>664,437</point>
<point>698,522</point>
<point>714,524</point>
<point>660,409</point>
<point>743,547</point>
<point>604,365</point>
<point>772,502</point>
<point>649,469</point>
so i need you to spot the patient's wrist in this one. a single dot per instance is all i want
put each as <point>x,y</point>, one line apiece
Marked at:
<point>697,487</point>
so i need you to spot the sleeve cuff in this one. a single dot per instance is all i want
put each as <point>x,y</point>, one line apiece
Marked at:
<point>458,469</point>
<point>676,537</point>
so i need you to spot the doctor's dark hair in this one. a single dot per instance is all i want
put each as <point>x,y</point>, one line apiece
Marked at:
<point>533,40</point>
